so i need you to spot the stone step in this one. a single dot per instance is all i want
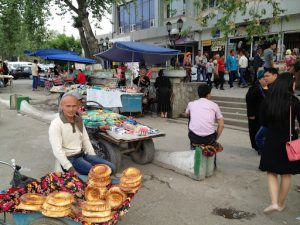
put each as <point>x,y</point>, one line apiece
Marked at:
<point>228,99</point>
<point>233,110</point>
<point>231,104</point>
<point>236,122</point>
<point>235,115</point>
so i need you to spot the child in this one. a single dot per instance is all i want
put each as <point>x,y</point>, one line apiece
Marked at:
<point>209,69</point>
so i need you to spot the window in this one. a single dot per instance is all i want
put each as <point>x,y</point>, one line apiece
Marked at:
<point>139,13</point>
<point>209,4</point>
<point>176,8</point>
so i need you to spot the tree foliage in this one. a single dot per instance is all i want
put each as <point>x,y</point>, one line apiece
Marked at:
<point>62,41</point>
<point>22,26</point>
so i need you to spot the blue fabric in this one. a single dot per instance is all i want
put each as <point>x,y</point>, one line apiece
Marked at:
<point>69,57</point>
<point>242,76</point>
<point>48,51</point>
<point>125,51</point>
<point>260,138</point>
<point>35,81</point>
<point>84,163</point>
<point>231,63</point>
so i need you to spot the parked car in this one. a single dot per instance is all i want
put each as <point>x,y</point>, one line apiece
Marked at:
<point>21,72</point>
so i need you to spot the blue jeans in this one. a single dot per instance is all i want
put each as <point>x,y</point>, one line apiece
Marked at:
<point>260,138</point>
<point>199,72</point>
<point>84,163</point>
<point>242,76</point>
<point>35,81</point>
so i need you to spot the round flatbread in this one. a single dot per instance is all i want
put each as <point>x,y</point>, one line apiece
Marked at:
<point>96,214</point>
<point>32,199</point>
<point>100,205</point>
<point>24,206</point>
<point>100,171</point>
<point>50,213</point>
<point>60,198</point>
<point>97,219</point>
<point>50,207</point>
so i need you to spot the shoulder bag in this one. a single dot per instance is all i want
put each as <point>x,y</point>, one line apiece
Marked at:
<point>292,147</point>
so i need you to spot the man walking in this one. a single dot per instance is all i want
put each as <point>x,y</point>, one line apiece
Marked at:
<point>268,56</point>
<point>35,75</point>
<point>232,67</point>
<point>243,64</point>
<point>257,63</point>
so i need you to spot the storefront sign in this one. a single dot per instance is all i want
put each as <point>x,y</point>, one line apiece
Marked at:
<point>206,43</point>
<point>217,45</point>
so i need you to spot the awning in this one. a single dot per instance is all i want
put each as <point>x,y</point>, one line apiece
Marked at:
<point>48,51</point>
<point>69,58</point>
<point>125,51</point>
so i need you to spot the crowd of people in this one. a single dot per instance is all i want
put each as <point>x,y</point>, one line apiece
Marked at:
<point>237,65</point>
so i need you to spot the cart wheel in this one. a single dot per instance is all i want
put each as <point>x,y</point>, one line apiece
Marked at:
<point>109,152</point>
<point>47,221</point>
<point>145,154</point>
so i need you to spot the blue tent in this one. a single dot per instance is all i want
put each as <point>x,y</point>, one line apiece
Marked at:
<point>48,51</point>
<point>60,55</point>
<point>125,51</point>
<point>69,58</point>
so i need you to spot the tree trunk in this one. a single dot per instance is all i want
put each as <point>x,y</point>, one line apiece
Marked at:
<point>84,43</point>
<point>89,35</point>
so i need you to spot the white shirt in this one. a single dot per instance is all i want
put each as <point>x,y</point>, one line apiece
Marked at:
<point>66,143</point>
<point>243,62</point>
<point>34,69</point>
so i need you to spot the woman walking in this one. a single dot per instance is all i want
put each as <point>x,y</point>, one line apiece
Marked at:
<point>163,86</point>
<point>276,117</point>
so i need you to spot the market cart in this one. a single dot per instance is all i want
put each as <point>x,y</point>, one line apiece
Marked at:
<point>113,135</point>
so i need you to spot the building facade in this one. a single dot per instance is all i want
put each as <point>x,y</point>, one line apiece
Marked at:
<point>145,21</point>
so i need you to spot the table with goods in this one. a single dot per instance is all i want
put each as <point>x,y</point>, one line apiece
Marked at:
<point>67,198</point>
<point>113,134</point>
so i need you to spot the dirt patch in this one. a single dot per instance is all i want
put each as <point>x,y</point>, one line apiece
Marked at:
<point>231,213</point>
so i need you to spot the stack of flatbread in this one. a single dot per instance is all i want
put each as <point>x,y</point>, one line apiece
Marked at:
<point>58,204</point>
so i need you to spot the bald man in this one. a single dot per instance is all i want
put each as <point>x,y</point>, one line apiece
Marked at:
<point>69,140</point>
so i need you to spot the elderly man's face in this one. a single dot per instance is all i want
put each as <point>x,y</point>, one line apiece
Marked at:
<point>69,106</point>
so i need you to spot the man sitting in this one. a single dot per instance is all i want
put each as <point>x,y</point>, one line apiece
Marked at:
<point>70,142</point>
<point>203,113</point>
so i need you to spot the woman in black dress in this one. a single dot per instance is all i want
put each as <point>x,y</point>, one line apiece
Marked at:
<point>163,86</point>
<point>276,117</point>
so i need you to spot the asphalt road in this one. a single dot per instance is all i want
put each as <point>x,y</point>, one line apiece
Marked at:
<point>238,189</point>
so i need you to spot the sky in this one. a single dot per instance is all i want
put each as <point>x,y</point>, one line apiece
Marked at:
<point>63,24</point>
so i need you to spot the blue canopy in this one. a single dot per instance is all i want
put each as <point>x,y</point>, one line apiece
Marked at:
<point>48,51</point>
<point>125,51</point>
<point>69,58</point>
<point>61,55</point>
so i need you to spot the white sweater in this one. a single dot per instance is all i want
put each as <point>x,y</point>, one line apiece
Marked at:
<point>66,143</point>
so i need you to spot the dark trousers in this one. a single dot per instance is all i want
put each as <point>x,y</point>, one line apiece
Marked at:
<point>242,76</point>
<point>253,126</point>
<point>232,77</point>
<point>208,76</point>
<point>206,140</point>
<point>221,79</point>
<point>35,81</point>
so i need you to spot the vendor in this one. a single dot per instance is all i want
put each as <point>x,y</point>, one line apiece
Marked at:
<point>203,113</point>
<point>142,81</point>
<point>70,142</point>
<point>81,77</point>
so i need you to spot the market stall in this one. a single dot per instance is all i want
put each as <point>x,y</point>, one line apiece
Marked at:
<point>67,198</point>
<point>113,134</point>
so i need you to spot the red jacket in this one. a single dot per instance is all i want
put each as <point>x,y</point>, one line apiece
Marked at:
<point>81,78</point>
